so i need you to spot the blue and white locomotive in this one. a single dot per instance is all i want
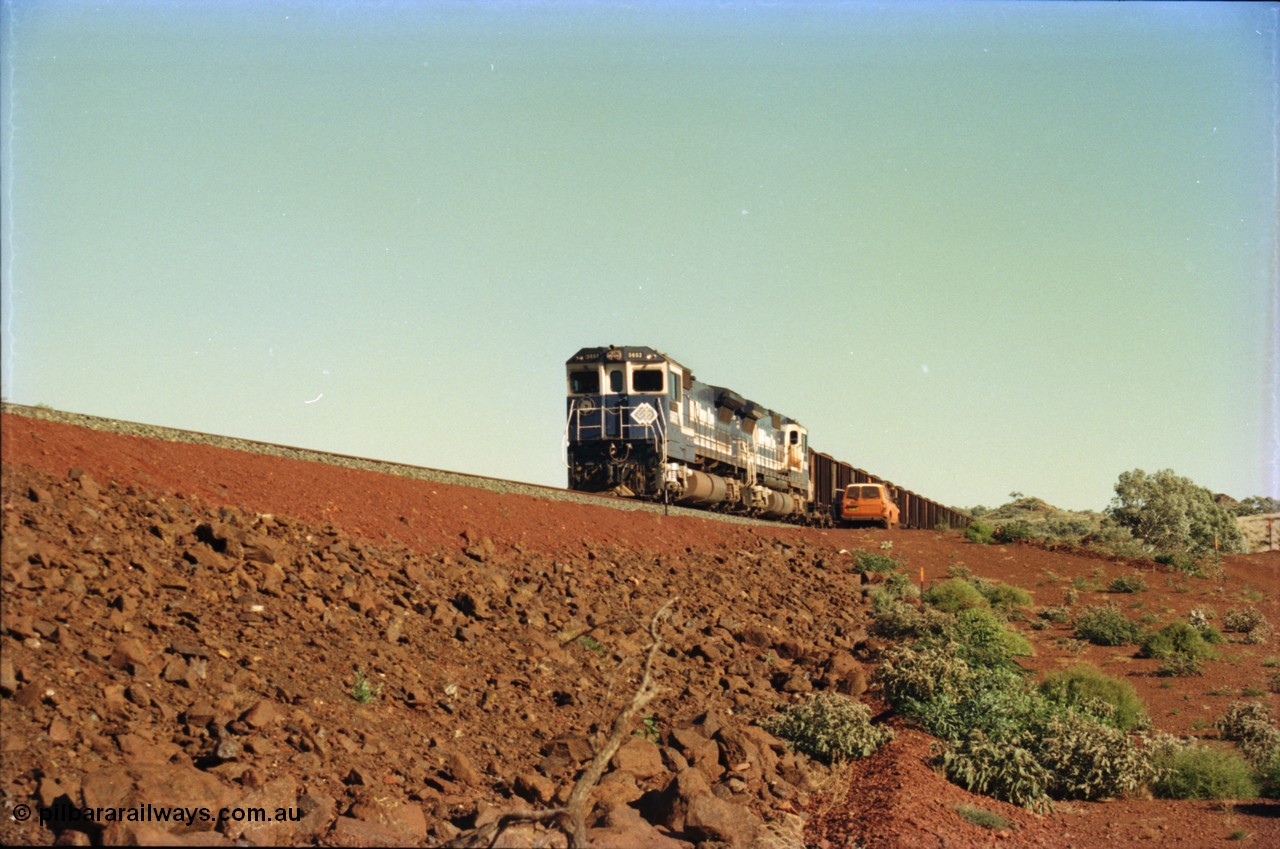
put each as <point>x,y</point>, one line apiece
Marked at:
<point>640,425</point>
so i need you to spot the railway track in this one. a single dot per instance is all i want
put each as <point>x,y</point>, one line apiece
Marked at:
<point>499,485</point>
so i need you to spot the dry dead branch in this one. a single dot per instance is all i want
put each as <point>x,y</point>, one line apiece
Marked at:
<point>572,818</point>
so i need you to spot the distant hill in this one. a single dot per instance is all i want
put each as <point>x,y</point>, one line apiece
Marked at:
<point>1038,518</point>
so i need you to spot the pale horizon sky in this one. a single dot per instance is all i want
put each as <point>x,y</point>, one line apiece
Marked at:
<point>975,247</point>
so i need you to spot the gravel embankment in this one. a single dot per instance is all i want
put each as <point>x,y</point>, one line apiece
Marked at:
<point>498,485</point>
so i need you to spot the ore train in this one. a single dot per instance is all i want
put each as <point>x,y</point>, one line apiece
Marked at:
<point>640,425</point>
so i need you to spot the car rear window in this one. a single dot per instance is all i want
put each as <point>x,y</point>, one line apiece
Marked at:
<point>863,492</point>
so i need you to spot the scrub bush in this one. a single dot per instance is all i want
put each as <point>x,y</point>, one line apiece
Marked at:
<point>1181,562</point>
<point>1000,704</point>
<point>1177,641</point>
<point>1181,666</point>
<point>1248,621</point>
<point>1059,614</point>
<point>1106,626</point>
<point>1243,620</point>
<point>1086,688</point>
<point>1090,760</point>
<point>1006,770</point>
<point>1249,724</point>
<point>954,595</point>
<point>980,532</point>
<point>829,728</point>
<point>1013,531</point>
<point>982,817</point>
<point>1196,771</point>
<point>985,641</point>
<point>908,674</point>
<point>871,561</point>
<point>1008,738</point>
<point>1002,596</point>
<point>1127,584</point>
<point>893,618</point>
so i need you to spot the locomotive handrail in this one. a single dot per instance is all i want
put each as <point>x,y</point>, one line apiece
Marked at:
<point>564,443</point>
<point>652,429</point>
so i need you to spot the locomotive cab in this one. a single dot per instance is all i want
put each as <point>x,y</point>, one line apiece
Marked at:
<point>618,405</point>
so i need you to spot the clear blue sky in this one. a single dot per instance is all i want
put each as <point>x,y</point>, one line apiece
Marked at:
<point>975,247</point>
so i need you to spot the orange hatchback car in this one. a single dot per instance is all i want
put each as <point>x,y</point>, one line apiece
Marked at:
<point>868,502</point>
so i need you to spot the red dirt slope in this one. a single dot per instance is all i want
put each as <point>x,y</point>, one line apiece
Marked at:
<point>185,625</point>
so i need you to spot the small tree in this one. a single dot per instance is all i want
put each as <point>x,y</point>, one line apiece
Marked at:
<point>1255,504</point>
<point>1172,513</point>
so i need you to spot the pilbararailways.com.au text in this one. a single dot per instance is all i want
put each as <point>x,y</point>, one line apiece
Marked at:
<point>160,814</point>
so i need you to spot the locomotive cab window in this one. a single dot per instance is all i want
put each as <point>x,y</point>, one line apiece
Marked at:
<point>615,380</point>
<point>584,382</point>
<point>647,380</point>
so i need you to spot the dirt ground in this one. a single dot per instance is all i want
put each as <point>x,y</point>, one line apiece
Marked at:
<point>397,661</point>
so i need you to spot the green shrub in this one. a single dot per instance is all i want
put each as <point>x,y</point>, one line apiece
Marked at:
<point>1106,626</point>
<point>1127,584</point>
<point>1177,641</point>
<point>954,595</point>
<point>1088,689</point>
<point>909,674</point>
<point>980,532</point>
<point>1009,739</point>
<point>1249,622</point>
<point>1244,620</point>
<point>1173,513</point>
<point>1089,760</point>
<point>983,640</point>
<point>1002,596</point>
<point>1242,720</point>
<point>1181,562</point>
<point>363,691</point>
<point>1005,770</point>
<point>1199,772</point>
<point>896,588</point>
<point>1249,724</point>
<point>999,703</point>
<point>894,618</point>
<point>874,561</point>
<point>1211,635</point>
<point>900,585</point>
<point>1013,531</point>
<point>829,728</point>
<point>1059,613</point>
<point>982,817</point>
<point>1181,666</point>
